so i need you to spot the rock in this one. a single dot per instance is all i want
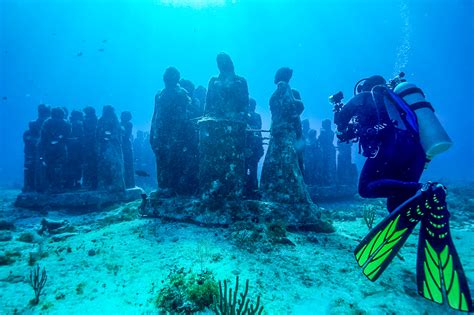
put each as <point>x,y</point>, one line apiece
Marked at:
<point>7,258</point>
<point>5,236</point>
<point>5,225</point>
<point>63,236</point>
<point>56,227</point>
<point>27,237</point>
<point>91,252</point>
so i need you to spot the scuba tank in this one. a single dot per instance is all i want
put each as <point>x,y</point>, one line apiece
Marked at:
<point>433,137</point>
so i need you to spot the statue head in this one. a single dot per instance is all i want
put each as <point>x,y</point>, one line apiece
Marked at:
<point>171,77</point>
<point>44,111</point>
<point>89,111</point>
<point>187,85</point>
<point>108,111</point>
<point>283,74</point>
<point>57,113</point>
<point>76,116</point>
<point>224,63</point>
<point>326,124</point>
<point>126,116</point>
<point>312,134</point>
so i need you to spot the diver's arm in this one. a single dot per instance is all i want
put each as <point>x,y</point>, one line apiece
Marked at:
<point>350,109</point>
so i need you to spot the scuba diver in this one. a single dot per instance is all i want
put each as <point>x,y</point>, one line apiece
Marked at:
<point>399,133</point>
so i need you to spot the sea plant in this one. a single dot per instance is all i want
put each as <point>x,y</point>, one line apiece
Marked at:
<point>369,216</point>
<point>228,304</point>
<point>37,281</point>
<point>187,292</point>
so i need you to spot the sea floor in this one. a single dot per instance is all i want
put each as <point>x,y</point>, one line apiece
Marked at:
<point>116,262</point>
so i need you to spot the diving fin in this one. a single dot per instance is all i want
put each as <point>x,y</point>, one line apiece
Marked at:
<point>380,246</point>
<point>439,269</point>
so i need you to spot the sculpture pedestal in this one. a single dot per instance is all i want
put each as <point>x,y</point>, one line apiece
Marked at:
<point>92,200</point>
<point>223,213</point>
<point>221,158</point>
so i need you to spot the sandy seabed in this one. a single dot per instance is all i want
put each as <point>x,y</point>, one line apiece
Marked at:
<point>117,263</point>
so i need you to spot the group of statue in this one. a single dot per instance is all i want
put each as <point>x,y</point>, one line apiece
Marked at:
<point>205,142</point>
<point>321,167</point>
<point>211,143</point>
<point>79,152</point>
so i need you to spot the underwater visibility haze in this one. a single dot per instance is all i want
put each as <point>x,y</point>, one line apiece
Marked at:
<point>187,149</point>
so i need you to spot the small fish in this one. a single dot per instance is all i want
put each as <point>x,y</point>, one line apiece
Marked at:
<point>79,54</point>
<point>101,49</point>
<point>104,41</point>
<point>54,142</point>
<point>4,98</point>
<point>142,173</point>
<point>108,133</point>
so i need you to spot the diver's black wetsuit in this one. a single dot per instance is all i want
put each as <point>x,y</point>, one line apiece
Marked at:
<point>395,170</point>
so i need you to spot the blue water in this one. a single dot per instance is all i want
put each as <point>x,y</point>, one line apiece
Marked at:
<point>78,53</point>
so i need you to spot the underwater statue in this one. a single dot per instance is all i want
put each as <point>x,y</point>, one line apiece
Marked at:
<point>200,94</point>
<point>282,178</point>
<point>109,150</point>
<point>144,160</point>
<point>44,112</point>
<point>52,146</point>
<point>127,129</point>
<point>30,140</point>
<point>89,153</point>
<point>254,150</point>
<point>346,170</point>
<point>75,150</point>
<point>391,121</point>
<point>222,134</point>
<point>312,158</point>
<point>194,113</point>
<point>328,154</point>
<point>168,135</point>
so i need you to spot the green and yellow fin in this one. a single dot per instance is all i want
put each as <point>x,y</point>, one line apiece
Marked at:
<point>377,249</point>
<point>439,269</point>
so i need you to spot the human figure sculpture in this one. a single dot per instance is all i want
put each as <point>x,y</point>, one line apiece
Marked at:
<point>254,150</point>
<point>328,154</point>
<point>168,134</point>
<point>54,134</point>
<point>75,150</point>
<point>200,95</point>
<point>30,140</point>
<point>346,170</point>
<point>89,152</point>
<point>44,112</point>
<point>109,150</point>
<point>127,129</point>
<point>312,159</point>
<point>222,134</point>
<point>282,178</point>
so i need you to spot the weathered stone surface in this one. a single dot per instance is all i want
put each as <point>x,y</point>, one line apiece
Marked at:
<point>222,134</point>
<point>306,217</point>
<point>222,160</point>
<point>110,156</point>
<point>77,200</point>
<point>168,134</point>
<point>282,179</point>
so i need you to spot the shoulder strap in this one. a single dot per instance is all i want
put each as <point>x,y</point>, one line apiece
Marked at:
<point>407,112</point>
